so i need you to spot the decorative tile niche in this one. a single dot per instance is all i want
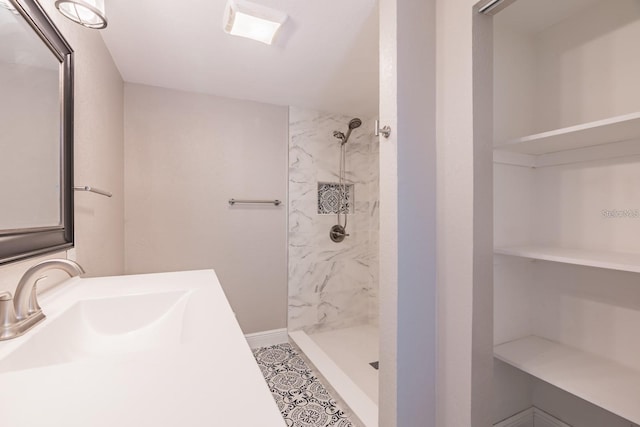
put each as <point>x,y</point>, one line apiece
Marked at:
<point>331,199</point>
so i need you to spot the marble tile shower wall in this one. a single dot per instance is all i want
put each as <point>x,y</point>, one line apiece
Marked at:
<point>331,285</point>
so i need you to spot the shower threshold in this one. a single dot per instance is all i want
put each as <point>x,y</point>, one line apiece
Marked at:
<point>343,358</point>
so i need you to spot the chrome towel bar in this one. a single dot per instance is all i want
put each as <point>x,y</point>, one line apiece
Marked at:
<point>271,202</point>
<point>93,190</point>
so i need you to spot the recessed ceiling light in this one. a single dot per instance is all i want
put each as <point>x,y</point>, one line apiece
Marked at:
<point>254,21</point>
<point>88,13</point>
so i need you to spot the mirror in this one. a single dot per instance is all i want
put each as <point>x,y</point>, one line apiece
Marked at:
<point>36,133</point>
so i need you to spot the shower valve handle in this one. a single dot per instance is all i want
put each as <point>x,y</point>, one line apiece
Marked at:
<point>337,233</point>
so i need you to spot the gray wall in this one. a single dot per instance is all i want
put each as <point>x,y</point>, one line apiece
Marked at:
<point>186,155</point>
<point>99,157</point>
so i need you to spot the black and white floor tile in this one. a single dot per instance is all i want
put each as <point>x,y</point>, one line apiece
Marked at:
<point>301,397</point>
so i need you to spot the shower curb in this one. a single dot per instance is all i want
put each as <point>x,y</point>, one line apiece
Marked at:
<point>361,406</point>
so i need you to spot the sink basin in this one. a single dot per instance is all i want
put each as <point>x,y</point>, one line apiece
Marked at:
<point>102,327</point>
<point>122,350</point>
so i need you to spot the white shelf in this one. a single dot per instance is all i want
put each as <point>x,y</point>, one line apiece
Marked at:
<point>614,129</point>
<point>600,259</point>
<point>604,383</point>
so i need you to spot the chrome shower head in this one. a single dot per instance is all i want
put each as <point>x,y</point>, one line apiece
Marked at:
<point>353,123</point>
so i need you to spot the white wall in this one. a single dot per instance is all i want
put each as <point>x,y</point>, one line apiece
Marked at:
<point>592,309</point>
<point>186,156</point>
<point>99,160</point>
<point>465,214</point>
<point>587,66</point>
<point>423,43</point>
<point>99,154</point>
<point>513,391</point>
<point>578,70</point>
<point>514,63</point>
<point>571,200</point>
<point>388,382</point>
<point>409,395</point>
<point>512,310</point>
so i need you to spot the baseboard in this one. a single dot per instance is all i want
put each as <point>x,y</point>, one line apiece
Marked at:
<point>267,338</point>
<point>521,419</point>
<point>532,417</point>
<point>543,419</point>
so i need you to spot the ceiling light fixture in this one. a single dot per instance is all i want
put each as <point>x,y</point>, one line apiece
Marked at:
<point>254,21</point>
<point>88,13</point>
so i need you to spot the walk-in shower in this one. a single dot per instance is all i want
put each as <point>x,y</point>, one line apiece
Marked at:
<point>333,288</point>
<point>338,232</point>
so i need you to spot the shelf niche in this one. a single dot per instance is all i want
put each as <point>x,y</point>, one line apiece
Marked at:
<point>600,259</point>
<point>600,132</point>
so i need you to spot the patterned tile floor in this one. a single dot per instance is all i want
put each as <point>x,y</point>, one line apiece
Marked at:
<point>301,397</point>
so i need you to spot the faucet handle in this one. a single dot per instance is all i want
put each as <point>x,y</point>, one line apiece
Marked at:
<point>7,312</point>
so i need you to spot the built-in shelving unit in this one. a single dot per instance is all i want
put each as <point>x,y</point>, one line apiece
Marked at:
<point>614,129</point>
<point>601,259</point>
<point>566,163</point>
<point>607,384</point>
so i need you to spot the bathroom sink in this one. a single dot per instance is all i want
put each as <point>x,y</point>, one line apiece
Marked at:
<point>100,327</point>
<point>121,351</point>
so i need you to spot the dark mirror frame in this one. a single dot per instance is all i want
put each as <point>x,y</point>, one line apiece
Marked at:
<point>25,243</point>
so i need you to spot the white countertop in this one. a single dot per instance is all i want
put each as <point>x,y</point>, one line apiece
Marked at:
<point>209,379</point>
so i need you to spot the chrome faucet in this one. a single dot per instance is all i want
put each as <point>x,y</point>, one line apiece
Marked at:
<point>21,313</point>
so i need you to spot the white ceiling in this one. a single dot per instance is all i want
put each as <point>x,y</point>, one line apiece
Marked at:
<point>533,16</point>
<point>324,57</point>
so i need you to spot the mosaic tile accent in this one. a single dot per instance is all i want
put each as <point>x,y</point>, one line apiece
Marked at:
<point>329,198</point>
<point>299,394</point>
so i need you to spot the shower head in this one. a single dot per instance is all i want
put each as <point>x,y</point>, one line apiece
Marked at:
<point>353,123</point>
